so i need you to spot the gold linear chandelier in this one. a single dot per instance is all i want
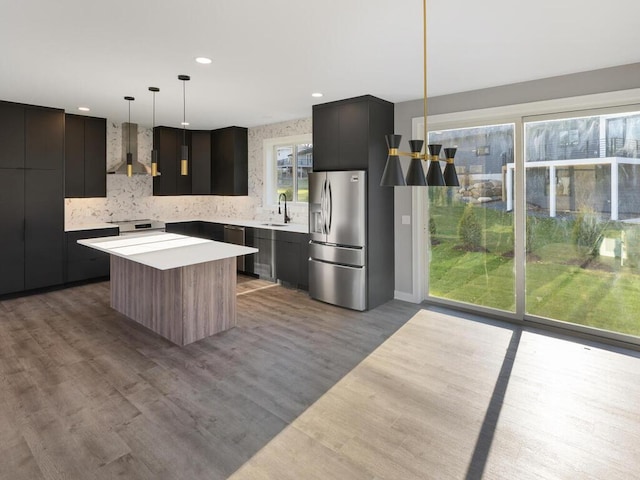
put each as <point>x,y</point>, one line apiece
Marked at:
<point>393,175</point>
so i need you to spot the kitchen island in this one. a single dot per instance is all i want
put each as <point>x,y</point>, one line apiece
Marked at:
<point>183,288</point>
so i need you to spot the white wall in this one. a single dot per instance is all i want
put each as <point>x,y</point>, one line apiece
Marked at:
<point>132,198</point>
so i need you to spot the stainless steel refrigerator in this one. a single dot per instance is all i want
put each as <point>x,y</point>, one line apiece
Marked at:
<point>338,232</point>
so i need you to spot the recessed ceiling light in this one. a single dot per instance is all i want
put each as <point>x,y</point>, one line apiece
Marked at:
<point>316,95</point>
<point>203,60</point>
<point>184,124</point>
<point>84,109</point>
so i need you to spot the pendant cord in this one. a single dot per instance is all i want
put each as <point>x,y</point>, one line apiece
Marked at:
<point>424,53</point>
<point>184,114</point>
<point>129,129</point>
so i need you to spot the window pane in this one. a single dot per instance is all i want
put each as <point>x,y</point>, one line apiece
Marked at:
<point>304,156</point>
<point>583,214</point>
<point>284,172</point>
<point>470,228</point>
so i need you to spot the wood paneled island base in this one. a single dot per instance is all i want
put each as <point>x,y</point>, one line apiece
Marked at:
<point>182,304</point>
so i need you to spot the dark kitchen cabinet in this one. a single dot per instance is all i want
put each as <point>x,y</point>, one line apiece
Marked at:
<point>218,162</point>
<point>201,162</point>
<point>213,231</point>
<point>281,256</point>
<point>44,139</point>
<point>168,142</point>
<point>287,257</point>
<point>12,237</point>
<point>44,227</point>
<point>32,199</point>
<point>229,161</point>
<point>344,132</point>
<point>85,157</point>
<point>11,135</point>
<point>84,263</point>
<point>189,228</point>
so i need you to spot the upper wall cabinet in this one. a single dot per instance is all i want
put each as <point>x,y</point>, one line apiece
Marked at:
<point>217,162</point>
<point>229,161</point>
<point>167,141</point>
<point>346,131</point>
<point>85,157</point>
<point>11,135</point>
<point>200,162</point>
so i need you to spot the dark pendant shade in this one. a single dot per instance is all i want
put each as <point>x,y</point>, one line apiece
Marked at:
<point>129,164</point>
<point>450,174</point>
<point>415,174</point>
<point>184,160</point>
<point>154,163</point>
<point>392,175</point>
<point>434,173</point>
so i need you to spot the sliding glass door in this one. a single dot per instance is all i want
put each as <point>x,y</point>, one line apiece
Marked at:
<point>573,189</point>
<point>583,220</point>
<point>470,227</point>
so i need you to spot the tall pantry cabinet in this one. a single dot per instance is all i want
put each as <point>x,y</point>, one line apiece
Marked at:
<point>31,197</point>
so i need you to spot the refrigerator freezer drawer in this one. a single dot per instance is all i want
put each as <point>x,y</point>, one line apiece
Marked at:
<point>331,253</point>
<point>338,284</point>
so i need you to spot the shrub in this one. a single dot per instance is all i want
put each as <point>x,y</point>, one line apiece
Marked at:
<point>470,229</point>
<point>631,239</point>
<point>588,231</point>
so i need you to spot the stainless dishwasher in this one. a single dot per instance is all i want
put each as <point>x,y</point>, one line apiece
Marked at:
<point>234,234</point>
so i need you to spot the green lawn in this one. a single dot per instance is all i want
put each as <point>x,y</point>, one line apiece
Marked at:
<point>563,281</point>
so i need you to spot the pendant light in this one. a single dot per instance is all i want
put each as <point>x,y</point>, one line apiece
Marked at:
<point>415,174</point>
<point>129,154</point>
<point>450,174</point>
<point>434,173</point>
<point>154,152</point>
<point>392,175</point>
<point>184,150</point>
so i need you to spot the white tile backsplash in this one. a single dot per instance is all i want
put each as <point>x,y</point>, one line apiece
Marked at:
<point>132,198</point>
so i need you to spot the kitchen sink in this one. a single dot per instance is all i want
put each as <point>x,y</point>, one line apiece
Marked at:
<point>275,224</point>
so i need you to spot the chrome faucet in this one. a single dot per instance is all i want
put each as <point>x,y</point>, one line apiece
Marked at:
<point>286,216</point>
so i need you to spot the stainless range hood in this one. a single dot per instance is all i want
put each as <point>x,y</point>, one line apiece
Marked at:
<point>138,168</point>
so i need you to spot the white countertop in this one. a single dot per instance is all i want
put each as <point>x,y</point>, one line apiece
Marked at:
<point>266,224</point>
<point>166,250</point>
<point>269,225</point>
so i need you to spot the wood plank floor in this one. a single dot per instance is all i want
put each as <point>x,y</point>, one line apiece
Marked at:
<point>88,394</point>
<point>303,390</point>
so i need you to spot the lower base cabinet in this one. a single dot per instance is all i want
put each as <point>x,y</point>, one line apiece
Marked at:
<point>84,263</point>
<point>197,228</point>
<point>261,263</point>
<point>282,256</point>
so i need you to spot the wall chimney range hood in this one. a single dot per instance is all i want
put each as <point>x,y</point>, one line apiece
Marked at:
<point>138,168</point>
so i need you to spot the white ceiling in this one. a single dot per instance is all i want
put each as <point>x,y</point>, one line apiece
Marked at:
<point>269,56</point>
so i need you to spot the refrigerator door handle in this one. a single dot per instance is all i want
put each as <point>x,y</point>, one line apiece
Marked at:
<point>330,209</point>
<point>323,207</point>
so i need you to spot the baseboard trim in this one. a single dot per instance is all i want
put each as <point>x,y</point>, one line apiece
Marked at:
<point>406,297</point>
